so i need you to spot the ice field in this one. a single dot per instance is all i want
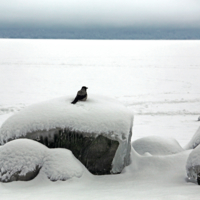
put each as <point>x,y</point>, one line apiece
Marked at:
<point>157,80</point>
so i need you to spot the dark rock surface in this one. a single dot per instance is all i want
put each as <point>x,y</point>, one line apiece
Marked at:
<point>7,176</point>
<point>96,153</point>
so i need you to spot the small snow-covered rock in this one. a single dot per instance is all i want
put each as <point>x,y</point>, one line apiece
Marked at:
<point>156,145</point>
<point>193,164</point>
<point>195,141</point>
<point>97,131</point>
<point>23,159</point>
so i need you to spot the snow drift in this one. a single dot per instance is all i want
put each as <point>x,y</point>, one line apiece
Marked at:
<point>156,145</point>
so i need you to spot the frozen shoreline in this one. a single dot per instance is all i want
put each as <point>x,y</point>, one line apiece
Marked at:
<point>157,80</point>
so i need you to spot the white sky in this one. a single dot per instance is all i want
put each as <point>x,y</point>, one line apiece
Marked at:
<point>102,12</point>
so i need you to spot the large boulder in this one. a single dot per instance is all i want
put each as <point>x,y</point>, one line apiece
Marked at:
<point>23,159</point>
<point>97,131</point>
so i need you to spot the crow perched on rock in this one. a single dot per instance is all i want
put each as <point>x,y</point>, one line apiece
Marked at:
<point>81,95</point>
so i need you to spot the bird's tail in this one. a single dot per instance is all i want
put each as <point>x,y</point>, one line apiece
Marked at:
<point>75,100</point>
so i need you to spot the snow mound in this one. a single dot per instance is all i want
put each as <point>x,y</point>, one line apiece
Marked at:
<point>97,115</point>
<point>156,145</point>
<point>195,141</point>
<point>193,164</point>
<point>22,156</point>
<point>60,164</point>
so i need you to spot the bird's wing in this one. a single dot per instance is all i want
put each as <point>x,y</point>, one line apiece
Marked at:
<point>80,97</point>
<point>81,93</point>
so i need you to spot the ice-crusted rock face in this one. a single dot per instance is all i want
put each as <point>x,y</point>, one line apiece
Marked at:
<point>193,164</point>
<point>97,131</point>
<point>195,141</point>
<point>23,159</point>
<point>156,145</point>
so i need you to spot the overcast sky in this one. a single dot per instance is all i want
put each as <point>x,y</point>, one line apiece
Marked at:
<point>117,13</point>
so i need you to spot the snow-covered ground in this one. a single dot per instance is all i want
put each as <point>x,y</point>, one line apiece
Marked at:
<point>157,80</point>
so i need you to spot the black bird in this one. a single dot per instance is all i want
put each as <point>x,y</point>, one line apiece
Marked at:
<point>81,95</point>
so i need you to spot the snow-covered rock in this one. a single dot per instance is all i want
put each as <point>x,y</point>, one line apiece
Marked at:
<point>100,130</point>
<point>156,145</point>
<point>195,141</point>
<point>193,164</point>
<point>22,159</point>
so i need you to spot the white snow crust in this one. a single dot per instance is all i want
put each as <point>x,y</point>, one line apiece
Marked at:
<point>156,145</point>
<point>195,141</point>
<point>25,155</point>
<point>97,115</point>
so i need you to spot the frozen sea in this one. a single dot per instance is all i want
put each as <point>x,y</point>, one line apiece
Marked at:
<point>158,80</point>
